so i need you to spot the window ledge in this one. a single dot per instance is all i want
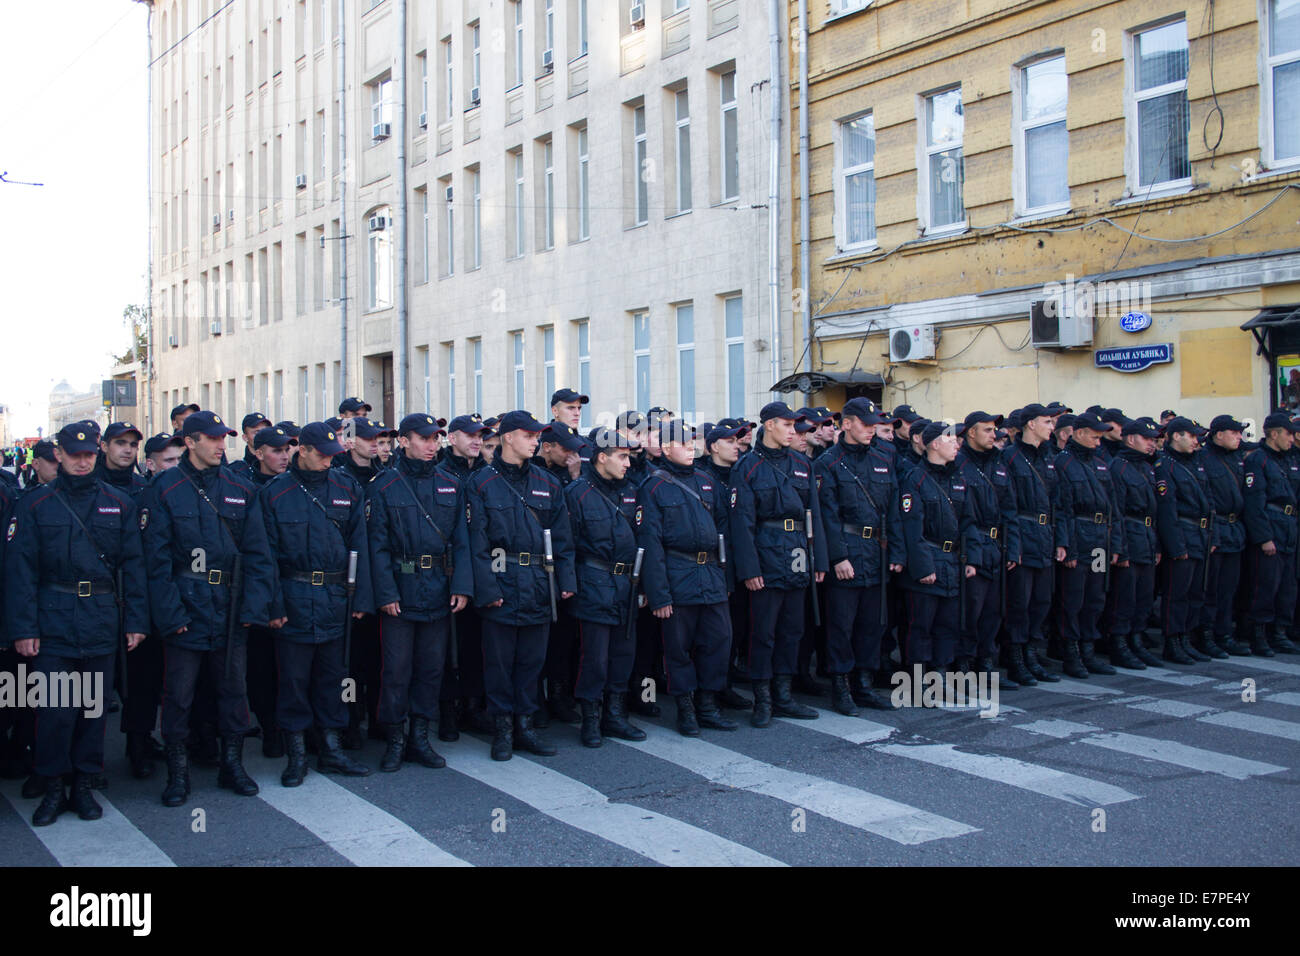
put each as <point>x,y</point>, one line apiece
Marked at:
<point>678,215</point>
<point>1036,215</point>
<point>1164,192</point>
<point>946,232</point>
<point>836,17</point>
<point>846,255</point>
<point>635,225</point>
<point>1268,172</point>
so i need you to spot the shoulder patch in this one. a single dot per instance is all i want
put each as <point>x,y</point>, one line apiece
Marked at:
<point>367,509</point>
<point>144,520</point>
<point>640,512</point>
<point>1162,486</point>
<point>1250,481</point>
<point>13,526</point>
<point>907,502</point>
<point>343,502</point>
<point>733,497</point>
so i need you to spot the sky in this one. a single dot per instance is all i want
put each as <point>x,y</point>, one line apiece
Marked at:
<point>74,251</point>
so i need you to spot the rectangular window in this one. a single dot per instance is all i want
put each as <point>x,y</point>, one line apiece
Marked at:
<point>641,357</point>
<point>730,138</point>
<point>584,368</point>
<point>422,224</point>
<point>682,109</point>
<point>448,75</point>
<point>447,230</point>
<point>517,175</point>
<point>639,166</point>
<point>516,15</point>
<point>303,397</point>
<point>476,67</point>
<point>855,187</point>
<point>942,172</point>
<point>336,262</point>
<point>451,380</point>
<point>380,291</point>
<point>1159,107</point>
<point>548,190</point>
<point>1044,140</point>
<point>428,380</point>
<point>381,108</point>
<point>279,396</point>
<point>322,146</point>
<point>300,274</point>
<point>686,361</point>
<point>577,28</point>
<point>318,273</point>
<point>548,17</point>
<point>517,348</point>
<point>1282,82</point>
<point>735,343</point>
<point>322,388</point>
<point>476,219</point>
<point>477,348</point>
<point>423,61</point>
<point>584,187</point>
<point>548,359</point>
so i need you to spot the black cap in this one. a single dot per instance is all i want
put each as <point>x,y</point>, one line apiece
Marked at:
<point>974,418</point>
<point>1278,420</point>
<point>117,429</point>
<point>604,439</point>
<point>1015,418</point>
<point>45,449</point>
<point>659,410</point>
<point>817,417</point>
<point>253,419</point>
<point>183,408</point>
<point>519,419</point>
<point>630,420</point>
<point>275,436</point>
<point>727,428</point>
<point>1141,426</point>
<point>563,435</point>
<point>1168,413</point>
<point>161,441</point>
<point>1094,410</point>
<point>77,438</point>
<point>676,430</point>
<point>918,428</point>
<point>1058,408</point>
<point>826,414</point>
<point>206,423</point>
<point>1034,410</point>
<point>469,424</point>
<point>363,427</point>
<point>1226,423</point>
<point>568,395</point>
<point>1089,420</point>
<point>1114,416</point>
<point>906,413</point>
<point>803,425</point>
<point>1065,421</point>
<point>354,404</point>
<point>866,411</point>
<point>1181,424</point>
<point>777,410</point>
<point>421,424</point>
<point>320,436</point>
<point>289,427</point>
<point>334,423</point>
<point>935,429</point>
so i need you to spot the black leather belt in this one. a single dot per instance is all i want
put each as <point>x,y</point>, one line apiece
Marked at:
<point>696,557</point>
<point>1041,517</point>
<point>525,559</point>
<point>782,524</point>
<point>83,588</point>
<point>946,546</point>
<point>859,530</point>
<point>414,563</point>
<point>991,532</point>
<point>316,578</point>
<point>1098,518</point>
<point>211,576</point>
<point>1285,509</point>
<point>1231,518</point>
<point>616,567</point>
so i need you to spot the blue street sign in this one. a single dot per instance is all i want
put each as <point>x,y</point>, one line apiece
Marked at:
<point>1135,321</point>
<point>1135,359</point>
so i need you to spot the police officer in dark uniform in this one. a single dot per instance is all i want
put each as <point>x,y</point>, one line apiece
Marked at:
<point>682,518</point>
<point>560,452</point>
<point>422,574</point>
<point>511,503</point>
<point>772,490</point>
<point>314,516</point>
<point>13,742</point>
<point>602,509</point>
<point>180,413</point>
<point>1184,524</point>
<point>858,496</point>
<point>73,563</point>
<point>1137,513</point>
<point>247,466</point>
<point>1224,460</point>
<point>1272,533</point>
<point>1085,547</point>
<point>906,428</point>
<point>197,520</point>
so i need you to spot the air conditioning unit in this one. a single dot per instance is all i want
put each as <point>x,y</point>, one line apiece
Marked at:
<point>910,343</point>
<point>548,61</point>
<point>378,223</point>
<point>215,328</point>
<point>301,181</point>
<point>473,96</point>
<point>216,223</point>
<point>1056,323</point>
<point>231,215</point>
<point>424,121</point>
<point>637,15</point>
<point>172,342</point>
<point>381,131</point>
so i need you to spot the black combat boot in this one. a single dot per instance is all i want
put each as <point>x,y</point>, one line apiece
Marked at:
<point>1233,646</point>
<point>1017,667</point>
<point>232,775</point>
<point>1173,651</point>
<point>417,746</point>
<point>733,699</point>
<point>1185,642</point>
<point>448,721</point>
<point>503,737</point>
<point>1121,655</point>
<point>178,775</point>
<point>687,725</point>
<point>589,733</point>
<point>863,695</point>
<point>332,759</point>
<point>528,739</point>
<point>783,702</point>
<point>1072,660</point>
<point>295,748</point>
<point>842,696</point>
<point>272,742</point>
<point>1035,666</point>
<point>563,707</point>
<point>140,754</point>
<point>52,804</point>
<point>709,714</point>
<point>762,715</point>
<point>82,797</point>
<point>1203,642</point>
<point>989,665</point>
<point>1282,644</point>
<point>1259,645</point>
<point>1091,661</point>
<point>1138,648</point>
<point>395,746</point>
<point>614,722</point>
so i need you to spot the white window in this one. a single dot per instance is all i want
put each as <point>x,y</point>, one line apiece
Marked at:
<point>735,342</point>
<point>321,389</point>
<point>679,5</point>
<point>1281,84</point>
<point>517,18</point>
<point>686,361</point>
<point>1043,141</point>
<point>322,168</point>
<point>682,109</point>
<point>841,7</point>
<point>472,95</point>
<point>477,348</point>
<point>942,170</point>
<point>448,74</point>
<point>322,18</point>
<point>582,38</point>
<point>730,138</point>
<point>584,368</point>
<point>424,87</point>
<point>448,237</point>
<point>584,194</point>
<point>548,359</point>
<point>855,186</point>
<point>424,235</point>
<point>517,342</point>
<point>639,166</point>
<point>549,16</point>
<point>476,219</point>
<point>428,385</point>
<point>381,105</point>
<point>379,291</point>
<point>548,186</point>
<point>641,357</point>
<point>517,166</point>
<point>1158,114</point>
<point>451,379</point>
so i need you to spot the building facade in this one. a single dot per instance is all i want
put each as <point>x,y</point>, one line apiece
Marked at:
<point>1010,200</point>
<point>586,203</point>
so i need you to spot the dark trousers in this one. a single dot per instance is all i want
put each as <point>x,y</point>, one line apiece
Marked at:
<point>1184,594</point>
<point>775,627</point>
<point>983,617</point>
<point>853,628</point>
<point>66,739</point>
<point>363,667</point>
<point>930,635</point>
<point>562,650</point>
<point>649,651</point>
<point>144,679</point>
<point>696,638</point>
<point>512,665</point>
<point>814,635</point>
<point>738,605</point>
<point>1225,573</point>
<point>605,655</point>
<point>466,680</point>
<point>262,677</point>
<point>1134,588</point>
<point>413,654</point>
<point>184,669</point>
<point>1029,598</point>
<point>310,689</point>
<point>1270,580</point>
<point>1083,599</point>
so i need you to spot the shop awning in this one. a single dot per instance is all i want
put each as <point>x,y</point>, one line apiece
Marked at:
<point>817,381</point>
<point>1270,319</point>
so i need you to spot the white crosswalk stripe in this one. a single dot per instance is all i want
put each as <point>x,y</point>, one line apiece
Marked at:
<point>1255,724</point>
<point>849,805</point>
<point>653,835</point>
<point>1078,688</point>
<point>1264,664</point>
<point>112,840</point>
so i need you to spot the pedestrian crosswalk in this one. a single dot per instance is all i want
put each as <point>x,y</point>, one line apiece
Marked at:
<point>890,783</point>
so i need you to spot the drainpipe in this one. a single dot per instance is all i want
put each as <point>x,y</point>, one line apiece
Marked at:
<point>401,350</point>
<point>774,188</point>
<point>343,205</point>
<point>805,242</point>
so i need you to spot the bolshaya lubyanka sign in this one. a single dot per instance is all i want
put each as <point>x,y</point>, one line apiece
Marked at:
<point>1137,358</point>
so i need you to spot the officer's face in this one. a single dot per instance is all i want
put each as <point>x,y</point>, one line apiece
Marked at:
<point>858,431</point>
<point>160,461</point>
<point>613,463</point>
<point>779,431</point>
<point>825,434</point>
<point>420,447</point>
<point>568,412</point>
<point>918,446</point>
<point>309,459</point>
<point>205,450</point>
<point>1087,437</point>
<point>800,441</point>
<point>1284,438</point>
<point>251,432</point>
<point>679,453</point>
<point>79,463</point>
<point>1040,427</point>
<point>384,447</point>
<point>944,448</point>
<point>1142,443</point>
<point>885,431</point>
<point>726,451</point>
<point>365,448</point>
<point>522,444</point>
<point>45,470</point>
<point>1229,440</point>
<point>490,445</point>
<point>275,460</point>
<point>1183,442</point>
<point>553,453</point>
<point>981,435</point>
<point>121,451</point>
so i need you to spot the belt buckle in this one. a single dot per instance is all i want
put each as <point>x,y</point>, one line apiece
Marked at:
<point>84,588</point>
<point>1042,518</point>
<point>214,576</point>
<point>1098,518</point>
<point>1205,522</point>
<point>702,557</point>
<point>1232,519</point>
<point>426,562</point>
<point>947,547</point>
<point>620,567</point>
<point>1147,521</point>
<point>786,525</point>
<point>867,532</point>
<point>525,558</point>
<point>318,578</point>
<point>1289,510</point>
<point>993,533</point>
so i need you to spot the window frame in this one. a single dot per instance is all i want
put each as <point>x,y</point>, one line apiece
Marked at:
<point>841,174</point>
<point>1269,62</point>
<point>519,380</point>
<point>726,106</point>
<point>925,150</point>
<point>682,149</point>
<point>584,185</point>
<point>685,352</point>
<point>640,153</point>
<point>1021,127</point>
<point>1133,98</point>
<point>640,353</point>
